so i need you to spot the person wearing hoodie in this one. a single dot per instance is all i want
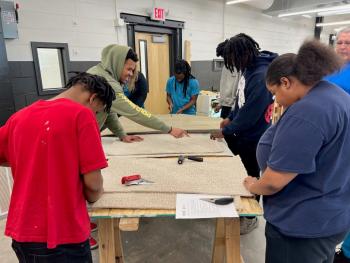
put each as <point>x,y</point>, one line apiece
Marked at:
<point>251,114</point>
<point>228,85</point>
<point>117,67</point>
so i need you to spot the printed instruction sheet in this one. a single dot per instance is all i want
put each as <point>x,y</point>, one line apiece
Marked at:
<point>191,206</point>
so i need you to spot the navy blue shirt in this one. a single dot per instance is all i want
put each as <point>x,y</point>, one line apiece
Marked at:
<point>250,116</point>
<point>312,138</point>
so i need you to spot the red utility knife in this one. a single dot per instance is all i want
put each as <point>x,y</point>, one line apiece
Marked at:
<point>129,178</point>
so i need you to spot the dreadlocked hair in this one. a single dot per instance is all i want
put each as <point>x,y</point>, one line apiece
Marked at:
<point>240,51</point>
<point>220,48</point>
<point>94,84</point>
<point>182,66</point>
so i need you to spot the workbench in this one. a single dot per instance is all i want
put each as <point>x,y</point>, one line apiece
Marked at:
<point>111,221</point>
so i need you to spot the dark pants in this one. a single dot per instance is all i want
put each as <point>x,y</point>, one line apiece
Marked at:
<point>225,111</point>
<point>247,152</point>
<point>284,249</point>
<point>39,253</point>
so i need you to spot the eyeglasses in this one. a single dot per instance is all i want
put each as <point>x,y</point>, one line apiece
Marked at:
<point>346,43</point>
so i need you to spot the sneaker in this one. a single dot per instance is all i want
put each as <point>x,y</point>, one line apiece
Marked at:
<point>247,225</point>
<point>93,227</point>
<point>93,243</point>
<point>339,257</point>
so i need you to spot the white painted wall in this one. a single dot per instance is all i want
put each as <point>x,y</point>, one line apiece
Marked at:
<point>88,25</point>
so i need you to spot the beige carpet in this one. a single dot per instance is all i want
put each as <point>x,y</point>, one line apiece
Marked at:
<point>222,176</point>
<point>191,123</point>
<point>164,144</point>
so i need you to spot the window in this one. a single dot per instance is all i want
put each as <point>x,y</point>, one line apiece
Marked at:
<point>50,63</point>
<point>143,58</point>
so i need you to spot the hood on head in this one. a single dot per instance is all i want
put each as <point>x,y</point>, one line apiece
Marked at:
<point>113,59</point>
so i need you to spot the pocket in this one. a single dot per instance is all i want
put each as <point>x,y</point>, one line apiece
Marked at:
<point>50,257</point>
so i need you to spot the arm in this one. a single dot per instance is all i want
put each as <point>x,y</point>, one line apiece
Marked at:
<point>270,183</point>
<point>114,125</point>
<point>189,104</point>
<point>124,107</point>
<point>170,102</point>
<point>93,185</point>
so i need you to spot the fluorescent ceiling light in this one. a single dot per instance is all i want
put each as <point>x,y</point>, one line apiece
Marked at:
<point>236,2</point>
<point>345,22</point>
<point>336,12</point>
<point>316,10</point>
<point>307,16</point>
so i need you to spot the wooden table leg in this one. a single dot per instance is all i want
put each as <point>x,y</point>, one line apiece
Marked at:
<point>118,242</point>
<point>219,242</point>
<point>232,240</point>
<point>107,241</point>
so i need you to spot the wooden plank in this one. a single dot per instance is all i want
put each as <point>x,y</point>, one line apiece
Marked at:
<point>232,240</point>
<point>129,224</point>
<point>250,207</point>
<point>106,240</point>
<point>119,256</point>
<point>218,255</point>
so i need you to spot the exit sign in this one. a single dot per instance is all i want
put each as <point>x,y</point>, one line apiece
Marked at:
<point>158,14</point>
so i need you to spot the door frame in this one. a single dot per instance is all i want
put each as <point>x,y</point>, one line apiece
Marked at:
<point>173,28</point>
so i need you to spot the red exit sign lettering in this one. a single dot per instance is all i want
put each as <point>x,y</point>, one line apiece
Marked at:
<point>158,14</point>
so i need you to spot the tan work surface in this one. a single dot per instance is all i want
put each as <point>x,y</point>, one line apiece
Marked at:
<point>221,176</point>
<point>191,123</point>
<point>164,144</point>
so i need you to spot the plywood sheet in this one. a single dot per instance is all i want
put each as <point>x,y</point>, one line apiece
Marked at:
<point>163,144</point>
<point>191,123</point>
<point>221,176</point>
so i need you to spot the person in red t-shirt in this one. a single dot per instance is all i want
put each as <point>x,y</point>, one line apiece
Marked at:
<point>54,150</point>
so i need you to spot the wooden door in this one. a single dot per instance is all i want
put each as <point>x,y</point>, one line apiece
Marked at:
<point>153,53</point>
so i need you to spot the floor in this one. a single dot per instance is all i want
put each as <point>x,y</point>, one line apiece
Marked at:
<point>164,240</point>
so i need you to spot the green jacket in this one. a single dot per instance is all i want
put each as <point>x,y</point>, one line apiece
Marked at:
<point>111,67</point>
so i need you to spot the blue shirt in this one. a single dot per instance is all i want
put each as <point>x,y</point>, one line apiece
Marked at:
<point>341,78</point>
<point>312,139</point>
<point>177,95</point>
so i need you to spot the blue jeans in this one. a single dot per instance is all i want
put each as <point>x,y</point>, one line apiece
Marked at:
<point>346,246</point>
<point>39,253</point>
<point>285,249</point>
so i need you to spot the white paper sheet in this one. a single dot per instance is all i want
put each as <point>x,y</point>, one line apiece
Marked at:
<point>191,206</point>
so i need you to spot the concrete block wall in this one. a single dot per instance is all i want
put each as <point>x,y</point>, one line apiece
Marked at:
<point>89,25</point>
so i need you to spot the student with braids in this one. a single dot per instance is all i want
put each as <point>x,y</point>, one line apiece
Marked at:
<point>304,158</point>
<point>250,116</point>
<point>182,90</point>
<point>117,66</point>
<point>54,150</point>
<point>228,85</point>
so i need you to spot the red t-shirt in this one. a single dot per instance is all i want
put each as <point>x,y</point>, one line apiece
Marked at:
<point>48,146</point>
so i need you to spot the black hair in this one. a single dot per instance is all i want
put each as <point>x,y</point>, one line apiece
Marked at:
<point>131,55</point>
<point>220,48</point>
<point>240,51</point>
<point>94,84</point>
<point>313,61</point>
<point>182,66</point>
